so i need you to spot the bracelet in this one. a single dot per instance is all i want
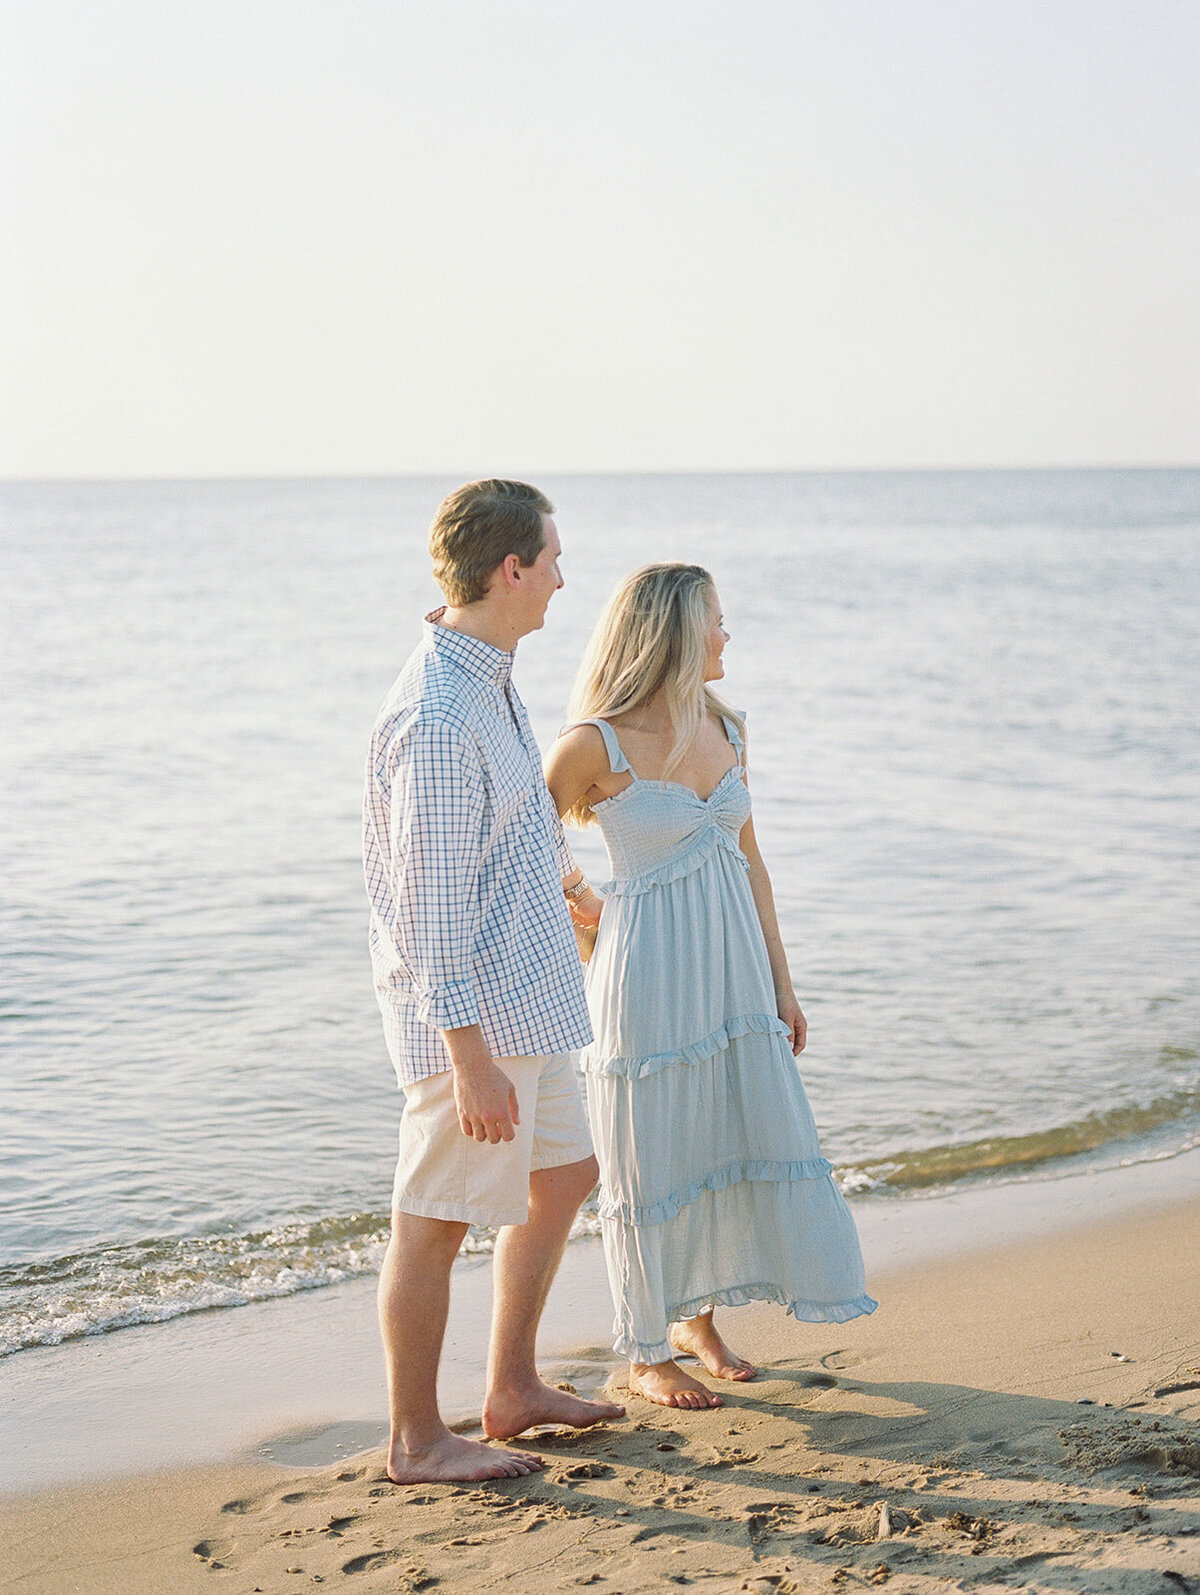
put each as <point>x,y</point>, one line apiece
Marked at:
<point>576,892</point>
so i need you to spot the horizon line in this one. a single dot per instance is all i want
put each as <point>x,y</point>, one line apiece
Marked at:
<point>118,478</point>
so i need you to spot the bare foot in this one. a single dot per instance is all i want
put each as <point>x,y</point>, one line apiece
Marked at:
<point>509,1412</point>
<point>699,1337</point>
<point>668,1385</point>
<point>453,1460</point>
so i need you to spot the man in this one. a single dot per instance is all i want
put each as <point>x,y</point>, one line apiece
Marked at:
<point>479,984</point>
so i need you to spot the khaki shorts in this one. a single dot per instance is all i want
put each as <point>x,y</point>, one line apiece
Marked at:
<point>442,1173</point>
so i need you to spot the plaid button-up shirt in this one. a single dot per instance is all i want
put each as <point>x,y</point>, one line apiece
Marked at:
<point>464,857</point>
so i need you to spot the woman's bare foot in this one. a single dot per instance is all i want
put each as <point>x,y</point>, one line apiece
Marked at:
<point>666,1384</point>
<point>510,1412</point>
<point>453,1460</point>
<point>699,1338</point>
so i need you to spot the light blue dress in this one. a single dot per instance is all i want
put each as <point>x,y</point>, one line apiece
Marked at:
<point>712,1185</point>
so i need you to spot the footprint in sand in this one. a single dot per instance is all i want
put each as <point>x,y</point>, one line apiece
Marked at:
<point>214,1552</point>
<point>841,1360</point>
<point>1177,1388</point>
<point>411,1578</point>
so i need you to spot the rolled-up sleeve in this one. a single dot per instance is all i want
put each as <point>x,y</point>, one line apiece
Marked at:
<point>566,862</point>
<point>438,810</point>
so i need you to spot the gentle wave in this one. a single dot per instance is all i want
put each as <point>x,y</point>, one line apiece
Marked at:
<point>998,1155</point>
<point>153,1281</point>
<point>93,1293</point>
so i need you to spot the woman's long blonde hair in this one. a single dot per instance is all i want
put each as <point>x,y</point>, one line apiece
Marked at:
<point>652,633</point>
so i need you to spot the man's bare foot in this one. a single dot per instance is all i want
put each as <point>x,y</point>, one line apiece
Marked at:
<point>509,1412</point>
<point>666,1384</point>
<point>453,1460</point>
<point>699,1338</point>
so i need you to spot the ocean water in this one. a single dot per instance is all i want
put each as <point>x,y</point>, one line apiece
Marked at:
<point>975,763</point>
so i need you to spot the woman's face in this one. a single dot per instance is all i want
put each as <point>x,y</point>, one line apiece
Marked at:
<point>717,638</point>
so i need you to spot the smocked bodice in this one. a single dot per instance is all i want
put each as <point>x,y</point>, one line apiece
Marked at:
<point>658,831</point>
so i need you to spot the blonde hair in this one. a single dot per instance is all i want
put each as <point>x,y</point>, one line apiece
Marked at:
<point>652,634</point>
<point>477,527</point>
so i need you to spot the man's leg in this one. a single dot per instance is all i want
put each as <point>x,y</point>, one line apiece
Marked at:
<point>526,1259</point>
<point>414,1299</point>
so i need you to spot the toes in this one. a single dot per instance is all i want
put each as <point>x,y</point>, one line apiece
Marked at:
<point>687,1400</point>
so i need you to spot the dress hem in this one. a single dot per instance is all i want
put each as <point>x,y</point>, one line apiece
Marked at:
<point>808,1312</point>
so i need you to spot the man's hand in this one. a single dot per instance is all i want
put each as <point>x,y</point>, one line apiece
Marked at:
<point>487,1103</point>
<point>485,1097</point>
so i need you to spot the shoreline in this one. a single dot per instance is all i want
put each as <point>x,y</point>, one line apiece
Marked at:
<point>298,1381</point>
<point>1024,1412</point>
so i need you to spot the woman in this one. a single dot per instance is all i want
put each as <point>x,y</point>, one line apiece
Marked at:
<point>713,1188</point>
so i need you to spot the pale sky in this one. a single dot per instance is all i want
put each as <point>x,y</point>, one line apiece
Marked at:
<point>301,237</point>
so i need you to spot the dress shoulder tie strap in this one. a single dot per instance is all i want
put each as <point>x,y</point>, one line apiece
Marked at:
<point>735,737</point>
<point>617,762</point>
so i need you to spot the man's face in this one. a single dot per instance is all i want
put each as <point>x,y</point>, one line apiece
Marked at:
<point>542,579</point>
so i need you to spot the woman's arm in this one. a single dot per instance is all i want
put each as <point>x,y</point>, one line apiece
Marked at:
<point>786,1005</point>
<point>573,766</point>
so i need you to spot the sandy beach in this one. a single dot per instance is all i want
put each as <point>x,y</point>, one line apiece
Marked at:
<point>1023,1416</point>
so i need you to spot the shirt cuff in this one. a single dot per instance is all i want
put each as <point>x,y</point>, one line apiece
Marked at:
<point>449,1007</point>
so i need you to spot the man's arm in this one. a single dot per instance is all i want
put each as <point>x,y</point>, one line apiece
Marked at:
<point>437,817</point>
<point>438,809</point>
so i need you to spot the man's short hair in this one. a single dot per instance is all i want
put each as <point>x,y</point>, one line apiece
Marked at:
<point>477,527</point>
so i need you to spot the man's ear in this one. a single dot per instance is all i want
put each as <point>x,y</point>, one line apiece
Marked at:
<point>510,570</point>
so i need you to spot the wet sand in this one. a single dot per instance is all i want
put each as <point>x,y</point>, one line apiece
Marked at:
<point>1023,1416</point>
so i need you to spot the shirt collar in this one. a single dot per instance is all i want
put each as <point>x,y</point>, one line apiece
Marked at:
<point>477,658</point>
